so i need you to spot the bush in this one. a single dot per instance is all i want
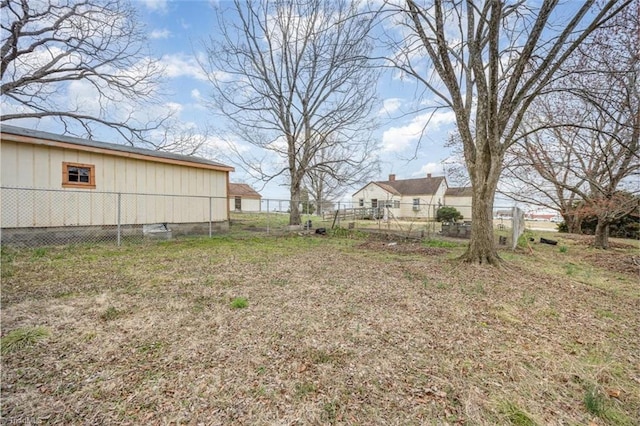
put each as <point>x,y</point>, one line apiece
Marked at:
<point>448,214</point>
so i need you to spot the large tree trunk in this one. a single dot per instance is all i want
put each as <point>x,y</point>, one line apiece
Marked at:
<point>481,247</point>
<point>601,240</point>
<point>294,207</point>
<point>573,222</point>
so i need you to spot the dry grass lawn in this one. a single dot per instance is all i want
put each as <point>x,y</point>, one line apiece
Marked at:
<point>319,330</point>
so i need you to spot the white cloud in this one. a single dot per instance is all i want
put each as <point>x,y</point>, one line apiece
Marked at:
<point>156,5</point>
<point>160,34</point>
<point>397,139</point>
<point>196,95</point>
<point>429,168</point>
<point>180,65</point>
<point>390,106</point>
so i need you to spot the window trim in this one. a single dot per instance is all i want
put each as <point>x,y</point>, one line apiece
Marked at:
<point>87,185</point>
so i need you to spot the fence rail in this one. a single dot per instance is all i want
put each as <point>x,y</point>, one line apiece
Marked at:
<point>35,217</point>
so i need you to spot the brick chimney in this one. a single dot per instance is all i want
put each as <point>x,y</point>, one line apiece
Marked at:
<point>428,175</point>
<point>392,178</point>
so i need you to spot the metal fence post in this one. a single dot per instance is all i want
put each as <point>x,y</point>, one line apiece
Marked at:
<point>210,214</point>
<point>268,215</point>
<point>119,209</point>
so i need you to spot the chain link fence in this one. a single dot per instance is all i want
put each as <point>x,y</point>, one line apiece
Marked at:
<point>37,217</point>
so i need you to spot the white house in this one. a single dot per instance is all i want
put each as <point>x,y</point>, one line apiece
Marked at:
<point>243,198</point>
<point>413,198</point>
<point>60,183</point>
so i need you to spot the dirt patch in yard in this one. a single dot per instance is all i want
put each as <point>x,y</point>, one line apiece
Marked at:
<point>401,247</point>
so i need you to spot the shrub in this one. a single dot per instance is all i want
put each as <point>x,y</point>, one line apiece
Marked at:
<point>448,214</point>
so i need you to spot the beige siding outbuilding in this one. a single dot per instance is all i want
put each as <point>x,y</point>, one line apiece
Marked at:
<point>64,181</point>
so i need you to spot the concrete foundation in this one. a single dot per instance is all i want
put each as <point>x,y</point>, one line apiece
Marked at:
<point>33,237</point>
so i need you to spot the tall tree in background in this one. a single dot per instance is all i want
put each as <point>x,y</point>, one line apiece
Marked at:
<point>583,144</point>
<point>488,61</point>
<point>332,173</point>
<point>292,77</point>
<point>82,64</point>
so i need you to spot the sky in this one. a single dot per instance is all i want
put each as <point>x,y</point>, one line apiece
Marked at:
<point>411,142</point>
<point>177,29</point>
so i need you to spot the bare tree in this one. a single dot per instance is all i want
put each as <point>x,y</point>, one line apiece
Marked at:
<point>488,61</point>
<point>292,78</point>
<point>49,46</point>
<point>583,142</point>
<point>334,170</point>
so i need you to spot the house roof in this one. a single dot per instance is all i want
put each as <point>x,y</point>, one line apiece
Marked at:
<point>419,186</point>
<point>243,190</point>
<point>463,191</point>
<point>37,137</point>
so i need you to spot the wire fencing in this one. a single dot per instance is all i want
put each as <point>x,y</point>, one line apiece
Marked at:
<point>37,217</point>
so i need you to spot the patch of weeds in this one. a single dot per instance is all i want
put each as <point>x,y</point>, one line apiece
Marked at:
<point>6,262</point>
<point>305,388</point>
<point>66,294</point>
<point>476,289</point>
<point>330,412</point>
<point>516,415</point>
<point>318,356</point>
<point>110,314</point>
<point>39,253</point>
<point>280,282</point>
<point>597,404</point>
<point>605,313</point>
<point>570,269</point>
<point>528,299</point>
<point>442,285</point>
<point>439,243</point>
<point>523,240</point>
<point>21,338</point>
<point>239,303</point>
<point>594,402</point>
<point>341,232</point>
<point>549,312</point>
<point>151,347</point>
<point>563,249</point>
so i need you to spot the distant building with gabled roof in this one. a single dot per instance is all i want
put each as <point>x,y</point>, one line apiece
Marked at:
<point>243,198</point>
<point>414,198</point>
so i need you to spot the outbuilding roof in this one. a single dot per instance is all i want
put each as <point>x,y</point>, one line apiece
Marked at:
<point>243,190</point>
<point>37,137</point>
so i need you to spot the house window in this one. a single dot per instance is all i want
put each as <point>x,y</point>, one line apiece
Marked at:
<point>396,204</point>
<point>374,203</point>
<point>238,203</point>
<point>76,175</point>
<point>416,203</point>
<point>361,202</point>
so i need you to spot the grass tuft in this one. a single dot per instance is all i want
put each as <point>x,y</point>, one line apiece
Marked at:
<point>22,338</point>
<point>516,416</point>
<point>239,303</point>
<point>594,402</point>
<point>110,314</point>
